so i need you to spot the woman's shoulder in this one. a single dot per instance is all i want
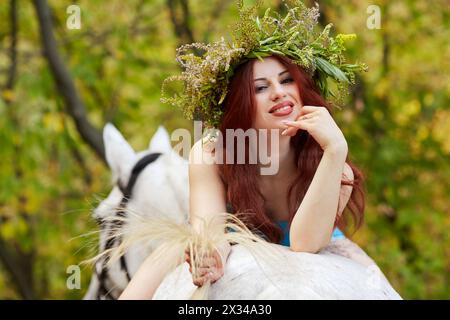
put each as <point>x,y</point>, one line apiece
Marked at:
<point>202,164</point>
<point>207,190</point>
<point>203,152</point>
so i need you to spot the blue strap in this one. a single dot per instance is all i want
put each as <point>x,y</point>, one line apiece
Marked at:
<point>337,234</point>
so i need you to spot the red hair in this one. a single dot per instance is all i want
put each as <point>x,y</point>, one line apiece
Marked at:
<point>240,180</point>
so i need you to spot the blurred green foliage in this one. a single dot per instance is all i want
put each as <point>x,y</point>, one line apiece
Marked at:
<point>397,123</point>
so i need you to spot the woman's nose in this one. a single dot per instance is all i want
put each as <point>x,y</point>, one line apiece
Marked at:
<point>277,92</point>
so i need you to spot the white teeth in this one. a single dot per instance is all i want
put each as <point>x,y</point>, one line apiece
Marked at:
<point>283,109</point>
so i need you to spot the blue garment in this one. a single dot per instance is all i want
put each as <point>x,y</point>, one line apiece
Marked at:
<point>284,225</point>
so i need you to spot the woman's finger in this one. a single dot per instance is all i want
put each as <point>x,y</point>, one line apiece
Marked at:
<point>200,281</point>
<point>215,275</point>
<point>289,132</point>
<point>207,262</point>
<point>294,126</point>
<point>308,116</point>
<point>202,271</point>
<point>211,275</point>
<point>308,109</point>
<point>297,124</point>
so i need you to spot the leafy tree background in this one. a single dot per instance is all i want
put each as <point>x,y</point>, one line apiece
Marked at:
<point>52,172</point>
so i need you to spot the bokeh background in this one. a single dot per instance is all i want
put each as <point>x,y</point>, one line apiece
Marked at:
<point>59,87</point>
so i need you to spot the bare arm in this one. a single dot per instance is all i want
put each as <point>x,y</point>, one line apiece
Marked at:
<point>147,279</point>
<point>207,192</point>
<point>207,200</point>
<point>313,222</point>
<point>312,225</point>
<point>207,197</point>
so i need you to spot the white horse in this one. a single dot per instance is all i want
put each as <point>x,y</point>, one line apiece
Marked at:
<point>160,186</point>
<point>341,271</point>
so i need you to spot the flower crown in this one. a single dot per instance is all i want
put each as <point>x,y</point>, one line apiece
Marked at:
<point>205,78</point>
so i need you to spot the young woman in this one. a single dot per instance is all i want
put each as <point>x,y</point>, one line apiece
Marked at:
<point>301,205</point>
<point>242,87</point>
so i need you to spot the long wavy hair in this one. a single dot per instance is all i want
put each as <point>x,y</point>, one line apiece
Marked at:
<point>241,180</point>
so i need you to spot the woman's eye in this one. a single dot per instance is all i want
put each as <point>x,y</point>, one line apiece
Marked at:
<point>287,80</point>
<point>260,88</point>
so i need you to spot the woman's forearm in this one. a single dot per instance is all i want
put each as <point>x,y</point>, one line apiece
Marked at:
<point>313,222</point>
<point>149,276</point>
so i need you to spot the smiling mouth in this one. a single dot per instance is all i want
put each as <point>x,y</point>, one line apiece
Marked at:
<point>282,107</point>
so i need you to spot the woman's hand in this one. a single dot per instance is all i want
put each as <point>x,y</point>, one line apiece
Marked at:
<point>212,267</point>
<point>320,125</point>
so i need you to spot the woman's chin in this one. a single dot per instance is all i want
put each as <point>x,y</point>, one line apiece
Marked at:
<point>292,117</point>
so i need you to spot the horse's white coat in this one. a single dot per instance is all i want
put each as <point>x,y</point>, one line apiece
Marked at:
<point>295,276</point>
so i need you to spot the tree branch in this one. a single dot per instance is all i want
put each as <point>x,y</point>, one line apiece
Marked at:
<point>13,48</point>
<point>181,25</point>
<point>64,82</point>
<point>18,263</point>
<point>19,266</point>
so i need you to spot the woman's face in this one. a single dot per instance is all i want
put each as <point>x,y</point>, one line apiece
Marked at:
<point>276,94</point>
